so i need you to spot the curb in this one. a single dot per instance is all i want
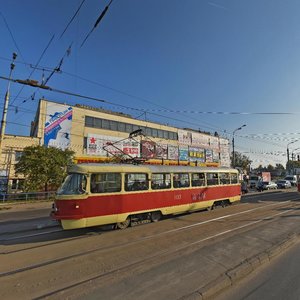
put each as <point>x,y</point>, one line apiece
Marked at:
<point>240,271</point>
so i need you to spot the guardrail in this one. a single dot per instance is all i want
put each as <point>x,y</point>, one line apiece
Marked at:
<point>39,196</point>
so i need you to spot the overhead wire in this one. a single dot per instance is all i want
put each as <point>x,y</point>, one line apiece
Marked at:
<point>72,19</point>
<point>40,58</point>
<point>97,22</point>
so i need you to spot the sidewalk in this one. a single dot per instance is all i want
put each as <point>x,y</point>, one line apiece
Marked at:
<point>10,212</point>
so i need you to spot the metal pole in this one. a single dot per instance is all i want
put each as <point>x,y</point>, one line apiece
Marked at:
<point>233,155</point>
<point>5,108</point>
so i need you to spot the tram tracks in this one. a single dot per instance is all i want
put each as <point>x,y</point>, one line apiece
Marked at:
<point>88,233</point>
<point>138,240</point>
<point>100,269</point>
<point>151,260</point>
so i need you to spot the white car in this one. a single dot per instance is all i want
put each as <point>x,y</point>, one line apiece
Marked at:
<point>266,185</point>
<point>292,179</point>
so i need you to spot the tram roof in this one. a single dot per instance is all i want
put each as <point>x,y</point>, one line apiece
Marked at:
<point>106,167</point>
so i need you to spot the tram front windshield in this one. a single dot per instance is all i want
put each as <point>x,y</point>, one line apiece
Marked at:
<point>74,184</point>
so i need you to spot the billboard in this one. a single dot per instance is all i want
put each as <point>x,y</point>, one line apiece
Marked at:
<point>96,143</point>
<point>57,130</point>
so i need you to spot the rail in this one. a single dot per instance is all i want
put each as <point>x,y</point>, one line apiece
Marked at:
<point>33,196</point>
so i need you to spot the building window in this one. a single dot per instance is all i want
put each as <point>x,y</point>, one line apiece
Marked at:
<point>121,126</point>
<point>114,125</point>
<point>18,155</point>
<point>89,121</point>
<point>129,128</point>
<point>105,124</point>
<point>98,123</point>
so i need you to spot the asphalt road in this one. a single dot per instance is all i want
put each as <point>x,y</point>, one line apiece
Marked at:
<point>192,255</point>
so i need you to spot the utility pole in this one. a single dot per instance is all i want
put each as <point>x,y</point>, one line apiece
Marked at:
<point>5,108</point>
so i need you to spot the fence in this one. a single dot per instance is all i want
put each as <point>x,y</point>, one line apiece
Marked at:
<point>34,196</point>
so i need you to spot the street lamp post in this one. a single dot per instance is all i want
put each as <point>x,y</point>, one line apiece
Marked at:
<point>233,153</point>
<point>294,152</point>
<point>288,151</point>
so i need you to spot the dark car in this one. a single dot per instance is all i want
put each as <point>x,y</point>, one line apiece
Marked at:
<point>283,184</point>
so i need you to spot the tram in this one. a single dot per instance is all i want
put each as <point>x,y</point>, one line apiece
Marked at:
<point>120,194</point>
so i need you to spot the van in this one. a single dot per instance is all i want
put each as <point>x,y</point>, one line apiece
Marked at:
<point>292,179</point>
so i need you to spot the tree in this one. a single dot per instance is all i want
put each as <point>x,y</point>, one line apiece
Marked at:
<point>43,167</point>
<point>241,161</point>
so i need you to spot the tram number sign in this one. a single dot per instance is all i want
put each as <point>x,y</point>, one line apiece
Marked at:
<point>199,196</point>
<point>177,197</point>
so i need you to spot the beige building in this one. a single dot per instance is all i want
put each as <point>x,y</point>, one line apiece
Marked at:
<point>97,135</point>
<point>12,149</point>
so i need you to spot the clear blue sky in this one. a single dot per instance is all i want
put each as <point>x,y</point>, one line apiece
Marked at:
<point>167,57</point>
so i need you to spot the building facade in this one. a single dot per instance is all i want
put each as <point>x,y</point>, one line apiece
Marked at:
<point>12,149</point>
<point>98,135</point>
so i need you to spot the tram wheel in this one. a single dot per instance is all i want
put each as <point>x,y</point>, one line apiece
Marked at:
<point>212,207</point>
<point>156,216</point>
<point>125,224</point>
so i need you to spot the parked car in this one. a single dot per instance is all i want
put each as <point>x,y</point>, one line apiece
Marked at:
<point>292,179</point>
<point>266,185</point>
<point>283,184</point>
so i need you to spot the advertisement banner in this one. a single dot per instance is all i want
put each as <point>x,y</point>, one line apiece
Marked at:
<point>57,130</point>
<point>148,149</point>
<point>172,152</point>
<point>96,143</point>
<point>161,151</point>
<point>197,154</point>
<point>184,137</point>
<point>208,155</point>
<point>224,153</point>
<point>183,153</point>
<point>200,140</point>
<point>216,157</point>
<point>214,143</point>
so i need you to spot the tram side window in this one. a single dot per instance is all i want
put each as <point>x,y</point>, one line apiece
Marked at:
<point>198,179</point>
<point>181,180</point>
<point>136,182</point>
<point>105,182</point>
<point>224,178</point>
<point>234,178</point>
<point>160,181</point>
<point>212,179</point>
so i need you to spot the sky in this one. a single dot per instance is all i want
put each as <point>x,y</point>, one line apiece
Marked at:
<point>209,65</point>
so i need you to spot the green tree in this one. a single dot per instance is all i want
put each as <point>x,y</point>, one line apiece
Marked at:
<point>241,161</point>
<point>43,167</point>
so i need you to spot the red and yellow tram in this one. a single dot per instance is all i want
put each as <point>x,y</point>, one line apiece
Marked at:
<point>99,194</point>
